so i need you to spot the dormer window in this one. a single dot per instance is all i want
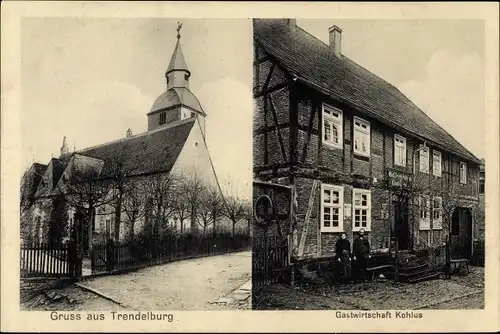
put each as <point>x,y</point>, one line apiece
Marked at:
<point>163,118</point>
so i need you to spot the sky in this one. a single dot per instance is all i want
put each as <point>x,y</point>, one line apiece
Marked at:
<point>91,79</point>
<point>438,64</point>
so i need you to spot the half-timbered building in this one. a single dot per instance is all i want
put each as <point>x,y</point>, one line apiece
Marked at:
<point>343,139</point>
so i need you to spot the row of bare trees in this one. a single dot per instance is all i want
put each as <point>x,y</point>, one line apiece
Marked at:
<point>158,198</point>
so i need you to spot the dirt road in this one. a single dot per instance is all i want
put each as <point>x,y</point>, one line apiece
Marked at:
<point>184,285</point>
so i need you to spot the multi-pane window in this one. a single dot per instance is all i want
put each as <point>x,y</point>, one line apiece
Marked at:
<point>481,185</point>
<point>361,209</point>
<point>424,208</point>
<point>436,163</point>
<point>163,118</point>
<point>463,172</point>
<point>424,159</point>
<point>361,137</point>
<point>332,126</point>
<point>332,201</point>
<point>437,214</point>
<point>399,150</point>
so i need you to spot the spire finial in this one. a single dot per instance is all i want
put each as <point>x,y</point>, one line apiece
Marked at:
<point>179,26</point>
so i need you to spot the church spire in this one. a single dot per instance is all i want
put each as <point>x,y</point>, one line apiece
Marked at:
<point>177,73</point>
<point>64,148</point>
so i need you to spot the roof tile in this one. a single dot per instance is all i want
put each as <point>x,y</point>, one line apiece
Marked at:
<point>314,63</point>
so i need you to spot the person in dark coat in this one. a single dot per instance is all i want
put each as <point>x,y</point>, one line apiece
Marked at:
<point>361,250</point>
<point>343,255</point>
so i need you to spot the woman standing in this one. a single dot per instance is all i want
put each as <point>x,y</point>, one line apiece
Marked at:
<point>343,255</point>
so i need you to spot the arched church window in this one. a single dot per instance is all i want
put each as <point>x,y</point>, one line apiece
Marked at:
<point>186,77</point>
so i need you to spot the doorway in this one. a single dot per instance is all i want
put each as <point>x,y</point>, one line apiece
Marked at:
<point>461,233</point>
<point>401,229</point>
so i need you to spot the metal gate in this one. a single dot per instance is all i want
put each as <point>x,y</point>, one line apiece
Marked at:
<point>272,234</point>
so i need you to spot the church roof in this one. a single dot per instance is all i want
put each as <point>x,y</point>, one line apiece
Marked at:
<point>314,64</point>
<point>51,176</point>
<point>149,152</point>
<point>175,97</point>
<point>177,62</point>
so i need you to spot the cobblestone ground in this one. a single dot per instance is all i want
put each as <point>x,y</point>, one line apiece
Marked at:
<point>459,292</point>
<point>195,284</point>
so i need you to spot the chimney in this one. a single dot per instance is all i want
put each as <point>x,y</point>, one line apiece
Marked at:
<point>129,133</point>
<point>335,34</point>
<point>292,22</point>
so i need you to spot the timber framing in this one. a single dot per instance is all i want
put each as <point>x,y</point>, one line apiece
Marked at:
<point>276,127</point>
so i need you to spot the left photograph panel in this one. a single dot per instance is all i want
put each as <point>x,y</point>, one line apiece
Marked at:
<point>136,140</point>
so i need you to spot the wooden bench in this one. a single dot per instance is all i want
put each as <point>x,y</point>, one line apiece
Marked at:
<point>373,270</point>
<point>456,264</point>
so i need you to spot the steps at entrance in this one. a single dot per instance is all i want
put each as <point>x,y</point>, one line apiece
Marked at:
<point>413,269</point>
<point>433,275</point>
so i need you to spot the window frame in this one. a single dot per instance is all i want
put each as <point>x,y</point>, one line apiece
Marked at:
<point>185,114</point>
<point>368,209</point>
<point>402,140</point>
<point>463,174</point>
<point>163,118</point>
<point>437,172</point>
<point>424,222</point>
<point>437,224</point>
<point>367,133</point>
<point>423,149</point>
<point>339,206</point>
<point>339,121</point>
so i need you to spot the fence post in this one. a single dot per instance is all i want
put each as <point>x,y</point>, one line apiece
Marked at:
<point>72,259</point>
<point>110,255</point>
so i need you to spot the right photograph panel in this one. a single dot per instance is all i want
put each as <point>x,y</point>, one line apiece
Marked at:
<point>368,190</point>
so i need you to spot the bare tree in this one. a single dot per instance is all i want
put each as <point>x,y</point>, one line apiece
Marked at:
<point>210,208</point>
<point>181,206</point>
<point>248,215</point>
<point>234,210</point>
<point>193,189</point>
<point>134,205</point>
<point>451,198</point>
<point>161,190</point>
<point>86,190</point>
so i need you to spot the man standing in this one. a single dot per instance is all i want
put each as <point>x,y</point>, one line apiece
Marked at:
<point>361,252</point>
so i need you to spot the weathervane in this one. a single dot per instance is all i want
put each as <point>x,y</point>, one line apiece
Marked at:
<point>179,26</point>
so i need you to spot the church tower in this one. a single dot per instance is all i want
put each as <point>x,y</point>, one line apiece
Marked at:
<point>177,103</point>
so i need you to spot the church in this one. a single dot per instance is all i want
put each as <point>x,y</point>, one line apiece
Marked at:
<point>174,144</point>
